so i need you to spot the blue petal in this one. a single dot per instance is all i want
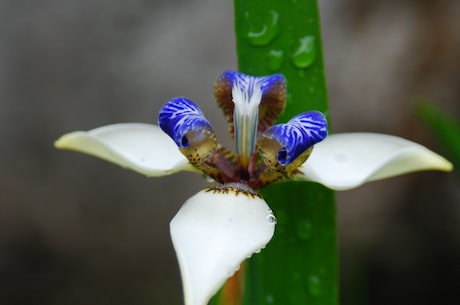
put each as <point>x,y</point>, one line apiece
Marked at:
<point>248,82</point>
<point>180,116</point>
<point>297,135</point>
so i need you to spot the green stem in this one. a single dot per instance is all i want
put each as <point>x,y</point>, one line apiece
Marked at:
<point>299,266</point>
<point>233,290</point>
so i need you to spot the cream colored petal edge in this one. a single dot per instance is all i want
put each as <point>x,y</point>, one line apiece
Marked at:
<point>140,147</point>
<point>212,234</point>
<point>344,161</point>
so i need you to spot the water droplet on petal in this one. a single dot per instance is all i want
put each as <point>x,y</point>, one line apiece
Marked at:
<point>263,34</point>
<point>314,285</point>
<point>232,271</point>
<point>341,158</point>
<point>305,53</point>
<point>209,179</point>
<point>271,219</point>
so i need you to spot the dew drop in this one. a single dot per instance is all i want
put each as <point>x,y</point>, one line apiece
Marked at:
<point>296,275</point>
<point>314,285</point>
<point>269,299</point>
<point>305,53</point>
<point>271,219</point>
<point>341,158</point>
<point>232,271</point>
<point>275,59</point>
<point>209,179</point>
<point>304,229</point>
<point>263,34</point>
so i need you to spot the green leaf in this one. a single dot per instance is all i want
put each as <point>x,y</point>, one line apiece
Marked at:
<point>299,266</point>
<point>275,36</point>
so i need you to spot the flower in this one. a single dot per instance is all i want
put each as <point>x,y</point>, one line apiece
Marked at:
<point>217,228</point>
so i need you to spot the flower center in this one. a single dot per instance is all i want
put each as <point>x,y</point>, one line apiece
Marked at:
<point>264,152</point>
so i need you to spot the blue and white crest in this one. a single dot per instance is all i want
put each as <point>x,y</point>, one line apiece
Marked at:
<point>180,116</point>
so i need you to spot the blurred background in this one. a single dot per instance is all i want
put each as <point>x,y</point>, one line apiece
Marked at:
<point>75,230</point>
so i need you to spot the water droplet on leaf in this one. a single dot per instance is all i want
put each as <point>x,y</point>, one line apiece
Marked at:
<point>314,285</point>
<point>305,53</point>
<point>262,34</point>
<point>304,229</point>
<point>275,59</point>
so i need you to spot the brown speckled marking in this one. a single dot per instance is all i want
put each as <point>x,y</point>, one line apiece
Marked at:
<point>235,188</point>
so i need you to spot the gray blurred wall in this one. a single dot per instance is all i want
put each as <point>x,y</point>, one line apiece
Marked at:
<point>76,230</point>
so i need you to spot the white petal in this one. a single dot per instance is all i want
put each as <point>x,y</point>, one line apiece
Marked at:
<point>213,232</point>
<point>141,147</point>
<point>344,161</point>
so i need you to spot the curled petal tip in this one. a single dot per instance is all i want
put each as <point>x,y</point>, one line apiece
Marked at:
<point>143,148</point>
<point>213,232</point>
<point>345,161</point>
